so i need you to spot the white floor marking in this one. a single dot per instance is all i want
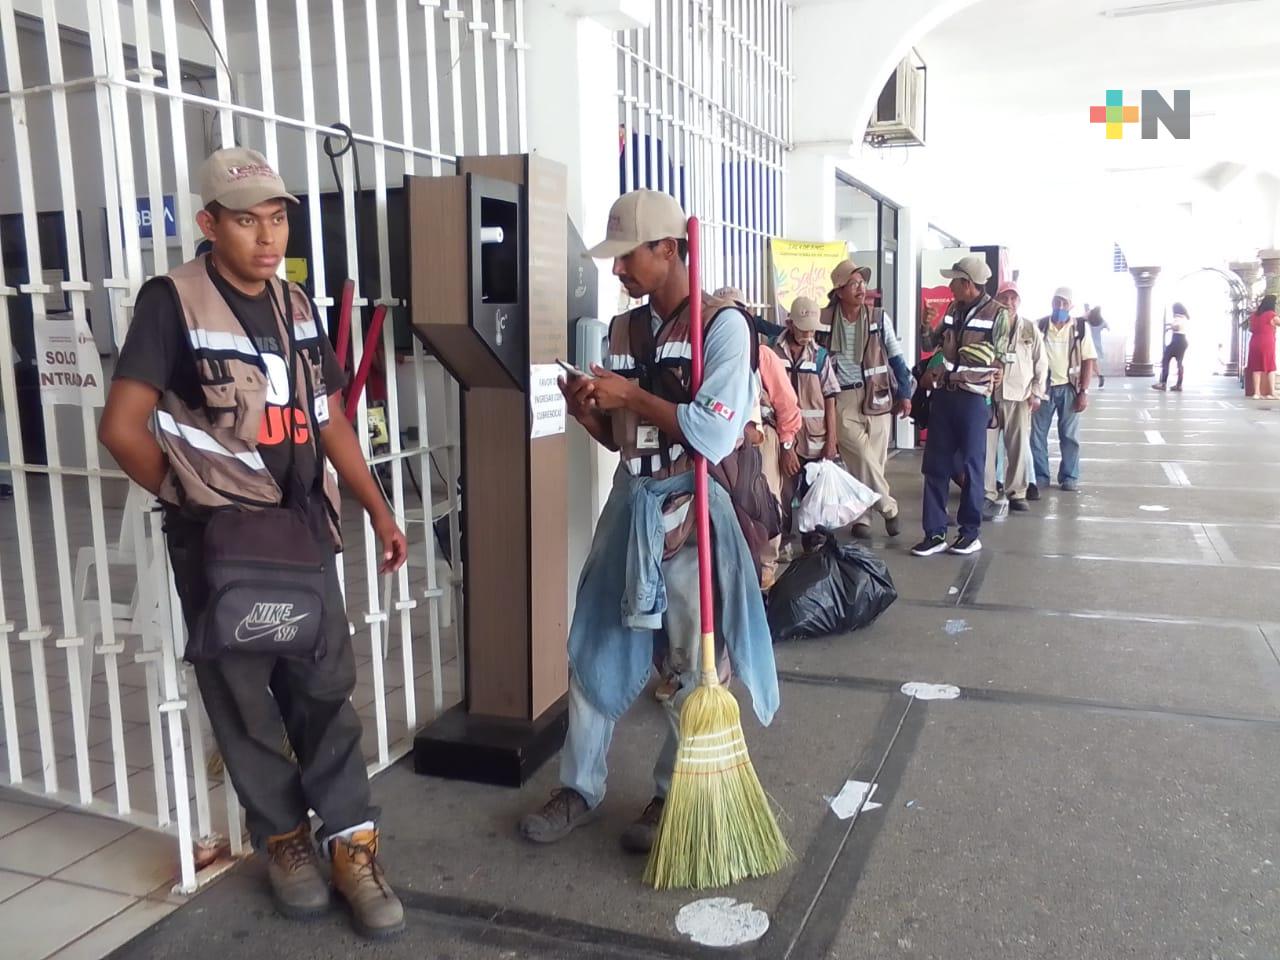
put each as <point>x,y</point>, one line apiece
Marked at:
<point>1177,476</point>
<point>954,627</point>
<point>850,799</point>
<point>721,922</point>
<point>931,691</point>
<point>1154,436</point>
<point>1153,508</point>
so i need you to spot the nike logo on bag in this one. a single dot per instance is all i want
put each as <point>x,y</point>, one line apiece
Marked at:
<point>266,619</point>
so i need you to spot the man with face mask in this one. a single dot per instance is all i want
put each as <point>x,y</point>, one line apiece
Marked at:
<point>962,374</point>
<point>1072,358</point>
<point>874,383</point>
<point>1025,372</point>
<point>637,601</point>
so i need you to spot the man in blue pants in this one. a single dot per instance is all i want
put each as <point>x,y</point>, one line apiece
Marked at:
<point>961,375</point>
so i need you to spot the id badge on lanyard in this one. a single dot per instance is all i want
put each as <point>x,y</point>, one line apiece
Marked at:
<point>647,437</point>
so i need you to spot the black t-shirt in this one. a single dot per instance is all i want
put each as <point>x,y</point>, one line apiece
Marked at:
<point>157,352</point>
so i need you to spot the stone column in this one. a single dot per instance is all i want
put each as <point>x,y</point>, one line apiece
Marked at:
<point>1270,271</point>
<point>1140,363</point>
<point>1248,271</point>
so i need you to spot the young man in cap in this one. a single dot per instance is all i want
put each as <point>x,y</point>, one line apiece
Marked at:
<point>637,598</point>
<point>1072,358</point>
<point>1025,371</point>
<point>874,383</point>
<point>962,375</point>
<point>811,371</point>
<point>246,394</point>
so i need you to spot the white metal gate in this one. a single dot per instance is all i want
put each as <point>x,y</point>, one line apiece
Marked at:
<point>704,101</point>
<point>107,108</point>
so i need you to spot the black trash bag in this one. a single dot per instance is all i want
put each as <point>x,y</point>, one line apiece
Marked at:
<point>835,588</point>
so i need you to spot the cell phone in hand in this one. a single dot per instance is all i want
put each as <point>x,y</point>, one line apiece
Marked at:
<point>572,371</point>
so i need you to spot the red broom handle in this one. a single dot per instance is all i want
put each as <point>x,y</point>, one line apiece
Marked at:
<point>366,362</point>
<point>344,322</point>
<point>701,506</point>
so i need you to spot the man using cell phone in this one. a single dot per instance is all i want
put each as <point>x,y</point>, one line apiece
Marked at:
<point>637,603</point>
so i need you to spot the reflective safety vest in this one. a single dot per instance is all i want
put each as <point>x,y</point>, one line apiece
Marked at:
<point>212,447</point>
<point>877,379</point>
<point>805,375</point>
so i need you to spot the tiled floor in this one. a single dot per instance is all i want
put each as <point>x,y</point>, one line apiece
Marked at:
<point>76,885</point>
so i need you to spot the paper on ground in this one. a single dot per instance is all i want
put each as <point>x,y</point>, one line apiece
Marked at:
<point>721,922</point>
<point>931,691</point>
<point>845,804</point>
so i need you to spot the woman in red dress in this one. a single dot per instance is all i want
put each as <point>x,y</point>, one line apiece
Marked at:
<point>1262,349</point>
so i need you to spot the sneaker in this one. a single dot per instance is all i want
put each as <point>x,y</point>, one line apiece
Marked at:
<point>1018,505</point>
<point>1070,486</point>
<point>1158,386</point>
<point>1176,389</point>
<point>1033,491</point>
<point>641,834</point>
<point>995,509</point>
<point>667,688</point>
<point>930,545</point>
<point>861,531</point>
<point>566,810</point>
<point>293,869</point>
<point>965,545</point>
<point>376,911</point>
<point>891,526</point>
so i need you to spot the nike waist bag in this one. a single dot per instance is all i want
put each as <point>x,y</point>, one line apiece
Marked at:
<point>266,578</point>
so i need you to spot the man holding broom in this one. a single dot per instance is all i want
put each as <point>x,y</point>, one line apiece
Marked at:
<point>638,599</point>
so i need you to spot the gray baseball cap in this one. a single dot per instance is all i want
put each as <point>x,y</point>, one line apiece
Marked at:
<point>637,218</point>
<point>972,267</point>
<point>240,178</point>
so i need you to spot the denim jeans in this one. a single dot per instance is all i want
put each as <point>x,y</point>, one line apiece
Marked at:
<point>1062,401</point>
<point>583,761</point>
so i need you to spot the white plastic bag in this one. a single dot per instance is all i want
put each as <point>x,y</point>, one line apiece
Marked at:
<point>834,498</point>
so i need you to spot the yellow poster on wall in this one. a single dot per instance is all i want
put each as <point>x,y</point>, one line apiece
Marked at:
<point>802,268</point>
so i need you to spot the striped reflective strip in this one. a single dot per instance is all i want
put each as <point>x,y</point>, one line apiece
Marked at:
<point>675,349</point>
<point>807,367</point>
<point>202,441</point>
<point>976,324</point>
<point>949,321</point>
<point>635,465</point>
<point>306,331</point>
<point>676,517</point>
<point>874,328</point>
<point>677,452</point>
<point>872,371</point>
<point>619,362</point>
<point>226,342</point>
<point>813,413</point>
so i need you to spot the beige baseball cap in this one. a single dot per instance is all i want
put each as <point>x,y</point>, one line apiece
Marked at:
<point>732,294</point>
<point>639,217</point>
<point>1065,294</point>
<point>972,267</point>
<point>240,178</point>
<point>805,314</point>
<point>845,271</point>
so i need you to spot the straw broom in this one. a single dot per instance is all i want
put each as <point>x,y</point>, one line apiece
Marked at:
<point>717,825</point>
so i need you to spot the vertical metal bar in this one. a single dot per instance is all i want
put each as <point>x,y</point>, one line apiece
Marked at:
<point>429,8</point>
<point>657,32</point>
<point>199,762</point>
<point>178,132</point>
<point>432,593</point>
<point>455,16</point>
<point>218,26</point>
<point>500,40</point>
<point>267,80</point>
<point>453,430</point>
<point>477,26</point>
<point>628,151</point>
<point>522,106</point>
<point>36,632</point>
<point>306,81</point>
<point>150,134</point>
<point>651,108</point>
<point>172,708</point>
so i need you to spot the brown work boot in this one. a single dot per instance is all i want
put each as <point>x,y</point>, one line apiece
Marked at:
<point>376,912</point>
<point>640,835</point>
<point>297,885</point>
<point>558,817</point>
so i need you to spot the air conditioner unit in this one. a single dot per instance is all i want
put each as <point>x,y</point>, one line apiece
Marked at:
<point>899,118</point>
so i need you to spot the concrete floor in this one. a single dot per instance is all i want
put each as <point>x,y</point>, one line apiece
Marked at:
<point>1104,787</point>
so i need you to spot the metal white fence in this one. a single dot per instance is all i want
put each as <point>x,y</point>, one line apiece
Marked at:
<point>704,98</point>
<point>106,110</point>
